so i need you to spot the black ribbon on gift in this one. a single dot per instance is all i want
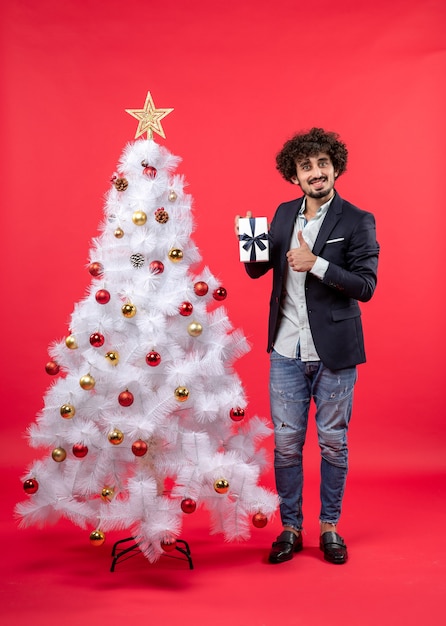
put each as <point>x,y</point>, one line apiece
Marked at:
<point>252,241</point>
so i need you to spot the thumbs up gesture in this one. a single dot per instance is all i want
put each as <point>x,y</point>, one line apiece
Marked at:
<point>301,259</point>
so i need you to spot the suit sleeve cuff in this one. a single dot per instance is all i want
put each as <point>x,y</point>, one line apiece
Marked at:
<point>319,268</point>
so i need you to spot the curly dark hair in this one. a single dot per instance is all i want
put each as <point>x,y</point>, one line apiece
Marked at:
<point>310,143</point>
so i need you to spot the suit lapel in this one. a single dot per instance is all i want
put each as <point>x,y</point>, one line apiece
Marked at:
<point>287,221</point>
<point>334,214</point>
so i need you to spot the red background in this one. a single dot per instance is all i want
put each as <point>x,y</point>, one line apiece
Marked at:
<point>242,78</point>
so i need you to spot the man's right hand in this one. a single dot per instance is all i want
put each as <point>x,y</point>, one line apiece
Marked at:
<point>237,217</point>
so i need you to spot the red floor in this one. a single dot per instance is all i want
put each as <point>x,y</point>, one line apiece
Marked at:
<point>395,576</point>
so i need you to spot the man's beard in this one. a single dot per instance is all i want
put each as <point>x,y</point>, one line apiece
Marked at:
<point>319,194</point>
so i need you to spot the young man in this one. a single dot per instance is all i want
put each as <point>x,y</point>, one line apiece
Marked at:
<point>324,256</point>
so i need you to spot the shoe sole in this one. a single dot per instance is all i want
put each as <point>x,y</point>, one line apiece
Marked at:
<point>335,561</point>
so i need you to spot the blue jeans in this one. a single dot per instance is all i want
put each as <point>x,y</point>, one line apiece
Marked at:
<point>292,385</point>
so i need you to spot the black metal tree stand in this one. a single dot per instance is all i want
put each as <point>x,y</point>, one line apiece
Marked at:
<point>120,553</point>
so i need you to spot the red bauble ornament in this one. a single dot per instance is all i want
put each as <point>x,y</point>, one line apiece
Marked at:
<point>31,485</point>
<point>168,545</point>
<point>96,269</point>
<point>188,505</point>
<point>97,340</point>
<point>149,171</point>
<point>156,267</point>
<point>125,398</point>
<point>220,293</point>
<point>153,358</point>
<point>52,368</point>
<point>201,288</point>
<point>259,520</point>
<point>139,448</point>
<point>237,414</point>
<point>185,309</point>
<point>102,296</point>
<point>79,450</point>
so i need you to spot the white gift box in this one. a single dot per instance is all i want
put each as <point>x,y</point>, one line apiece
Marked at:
<point>253,238</point>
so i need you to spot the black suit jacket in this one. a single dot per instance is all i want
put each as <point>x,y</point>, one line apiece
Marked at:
<point>347,239</point>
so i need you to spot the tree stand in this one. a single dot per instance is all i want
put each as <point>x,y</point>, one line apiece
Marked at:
<point>123,553</point>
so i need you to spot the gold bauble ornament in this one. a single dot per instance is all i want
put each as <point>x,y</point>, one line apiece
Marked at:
<point>87,382</point>
<point>116,436</point>
<point>221,485</point>
<point>128,310</point>
<point>175,255</point>
<point>71,342</point>
<point>97,538</point>
<point>172,196</point>
<point>59,455</point>
<point>139,218</point>
<point>119,233</point>
<point>181,394</point>
<point>67,411</point>
<point>112,357</point>
<point>107,494</point>
<point>195,329</point>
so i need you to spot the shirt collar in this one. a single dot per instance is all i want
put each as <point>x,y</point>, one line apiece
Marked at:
<point>321,210</point>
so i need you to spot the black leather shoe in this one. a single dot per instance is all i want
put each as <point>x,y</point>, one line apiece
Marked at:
<point>285,546</point>
<point>333,547</point>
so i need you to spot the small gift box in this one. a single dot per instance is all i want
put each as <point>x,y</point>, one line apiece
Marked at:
<point>254,240</point>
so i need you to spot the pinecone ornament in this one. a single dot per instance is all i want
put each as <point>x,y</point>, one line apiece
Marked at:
<point>121,184</point>
<point>161,216</point>
<point>137,260</point>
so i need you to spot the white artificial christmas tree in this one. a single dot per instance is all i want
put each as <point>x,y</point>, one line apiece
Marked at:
<point>146,418</point>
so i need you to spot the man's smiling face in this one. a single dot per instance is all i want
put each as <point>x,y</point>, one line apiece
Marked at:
<point>315,175</point>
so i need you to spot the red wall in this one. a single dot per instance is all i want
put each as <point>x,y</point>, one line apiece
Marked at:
<point>242,77</point>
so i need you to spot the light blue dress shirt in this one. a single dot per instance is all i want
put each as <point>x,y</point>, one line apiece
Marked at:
<point>294,329</point>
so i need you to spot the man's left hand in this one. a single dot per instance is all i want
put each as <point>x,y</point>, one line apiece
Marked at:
<point>301,259</point>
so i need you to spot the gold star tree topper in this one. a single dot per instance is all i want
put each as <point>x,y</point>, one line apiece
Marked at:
<point>149,118</point>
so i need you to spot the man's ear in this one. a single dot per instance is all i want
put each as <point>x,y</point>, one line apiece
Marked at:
<point>294,180</point>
